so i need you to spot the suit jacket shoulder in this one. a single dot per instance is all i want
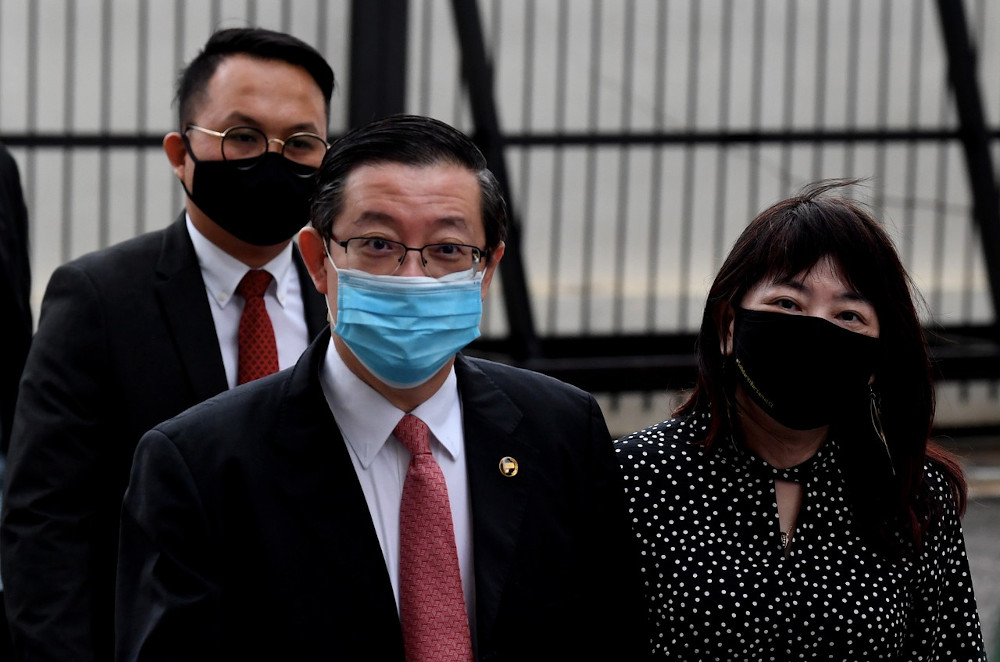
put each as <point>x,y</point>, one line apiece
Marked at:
<point>553,553</point>
<point>126,339</point>
<point>521,382</point>
<point>252,501</point>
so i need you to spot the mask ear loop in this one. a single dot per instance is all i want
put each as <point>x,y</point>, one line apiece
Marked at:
<point>329,313</point>
<point>876,416</point>
<point>326,249</point>
<point>730,403</point>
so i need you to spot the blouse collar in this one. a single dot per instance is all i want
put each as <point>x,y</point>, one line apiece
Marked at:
<point>822,462</point>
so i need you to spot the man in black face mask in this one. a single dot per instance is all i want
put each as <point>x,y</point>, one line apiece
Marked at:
<point>134,334</point>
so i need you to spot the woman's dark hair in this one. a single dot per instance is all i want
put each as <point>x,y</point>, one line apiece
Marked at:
<point>411,140</point>
<point>253,42</point>
<point>791,237</point>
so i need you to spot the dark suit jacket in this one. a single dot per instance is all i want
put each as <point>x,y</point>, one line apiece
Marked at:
<point>245,533</point>
<point>15,289</point>
<point>125,340</point>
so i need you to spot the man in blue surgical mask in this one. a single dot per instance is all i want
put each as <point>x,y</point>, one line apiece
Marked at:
<point>387,498</point>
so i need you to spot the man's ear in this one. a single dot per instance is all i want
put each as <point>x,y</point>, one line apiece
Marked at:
<point>311,247</point>
<point>495,255</point>
<point>173,145</point>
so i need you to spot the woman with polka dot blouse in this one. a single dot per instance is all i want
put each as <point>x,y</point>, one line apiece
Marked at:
<point>794,508</point>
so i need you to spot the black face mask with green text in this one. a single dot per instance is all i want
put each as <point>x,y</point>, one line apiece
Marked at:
<point>801,370</point>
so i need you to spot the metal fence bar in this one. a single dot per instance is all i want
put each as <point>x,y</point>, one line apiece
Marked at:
<point>104,163</point>
<point>721,155</point>
<point>695,104</point>
<point>378,59</point>
<point>975,140</point>
<point>756,108</point>
<point>142,106</point>
<point>790,41</point>
<point>822,66</point>
<point>656,171</point>
<point>912,154</point>
<point>620,251</point>
<point>321,26</point>
<point>178,58</point>
<point>66,234</point>
<point>853,67</point>
<point>527,106</point>
<point>730,138</point>
<point>478,76</point>
<point>424,46</point>
<point>882,100</point>
<point>31,109</point>
<point>590,176</point>
<point>558,171</point>
<point>687,203</point>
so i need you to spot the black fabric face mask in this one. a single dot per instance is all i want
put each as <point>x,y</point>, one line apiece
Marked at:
<point>802,371</point>
<point>263,201</point>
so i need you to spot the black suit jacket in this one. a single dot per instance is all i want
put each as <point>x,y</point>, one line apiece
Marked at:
<point>125,340</point>
<point>245,533</point>
<point>15,289</point>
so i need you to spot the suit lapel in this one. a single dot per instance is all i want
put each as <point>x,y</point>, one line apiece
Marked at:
<point>324,492</point>
<point>180,290</point>
<point>492,432</point>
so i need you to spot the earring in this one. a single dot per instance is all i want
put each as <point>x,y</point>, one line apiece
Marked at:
<point>876,416</point>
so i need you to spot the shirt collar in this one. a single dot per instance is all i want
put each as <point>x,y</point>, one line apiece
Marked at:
<point>366,419</point>
<point>222,272</point>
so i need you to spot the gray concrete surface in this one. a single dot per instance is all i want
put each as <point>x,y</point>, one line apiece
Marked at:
<point>982,540</point>
<point>981,460</point>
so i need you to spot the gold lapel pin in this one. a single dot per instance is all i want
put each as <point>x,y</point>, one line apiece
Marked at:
<point>508,466</point>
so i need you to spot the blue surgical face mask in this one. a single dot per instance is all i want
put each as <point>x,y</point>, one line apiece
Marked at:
<point>404,329</point>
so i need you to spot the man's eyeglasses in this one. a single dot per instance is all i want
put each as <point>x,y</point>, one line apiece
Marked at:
<point>246,142</point>
<point>383,257</point>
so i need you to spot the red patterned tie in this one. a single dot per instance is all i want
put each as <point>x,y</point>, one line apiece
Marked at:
<point>258,353</point>
<point>435,623</point>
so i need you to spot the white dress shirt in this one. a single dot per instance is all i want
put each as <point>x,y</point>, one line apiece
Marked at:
<point>366,421</point>
<point>222,273</point>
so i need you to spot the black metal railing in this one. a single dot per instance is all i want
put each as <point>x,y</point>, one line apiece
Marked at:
<point>635,138</point>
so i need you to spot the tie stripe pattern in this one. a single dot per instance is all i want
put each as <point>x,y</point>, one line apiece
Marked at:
<point>432,604</point>
<point>258,352</point>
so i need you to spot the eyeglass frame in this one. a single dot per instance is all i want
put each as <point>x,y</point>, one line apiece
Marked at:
<point>480,255</point>
<point>221,135</point>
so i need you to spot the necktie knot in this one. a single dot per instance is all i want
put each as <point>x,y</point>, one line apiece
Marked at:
<point>413,434</point>
<point>254,284</point>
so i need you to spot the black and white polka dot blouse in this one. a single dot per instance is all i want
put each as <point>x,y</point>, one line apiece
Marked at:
<point>718,583</point>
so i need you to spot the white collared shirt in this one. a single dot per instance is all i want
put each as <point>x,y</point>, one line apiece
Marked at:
<point>222,273</point>
<point>366,421</point>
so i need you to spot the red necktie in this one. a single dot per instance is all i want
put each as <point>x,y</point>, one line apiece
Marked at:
<point>432,604</point>
<point>258,353</point>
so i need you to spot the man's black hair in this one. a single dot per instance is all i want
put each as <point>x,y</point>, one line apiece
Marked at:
<point>254,42</point>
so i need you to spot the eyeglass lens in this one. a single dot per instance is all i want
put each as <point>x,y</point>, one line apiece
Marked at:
<point>245,142</point>
<point>379,256</point>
